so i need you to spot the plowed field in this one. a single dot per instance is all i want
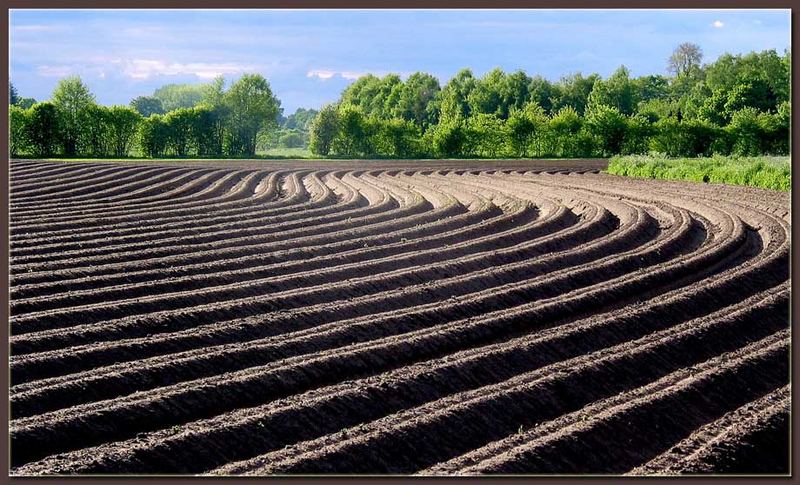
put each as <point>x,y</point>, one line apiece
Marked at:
<point>394,317</point>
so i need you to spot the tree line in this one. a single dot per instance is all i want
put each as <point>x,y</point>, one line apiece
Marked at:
<point>738,104</point>
<point>735,105</point>
<point>212,122</point>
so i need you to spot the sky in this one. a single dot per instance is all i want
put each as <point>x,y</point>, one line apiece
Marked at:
<point>310,56</point>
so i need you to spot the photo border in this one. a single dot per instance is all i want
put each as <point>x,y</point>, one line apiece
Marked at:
<point>7,5</point>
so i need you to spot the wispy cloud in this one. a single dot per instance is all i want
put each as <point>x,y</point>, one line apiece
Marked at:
<point>325,74</point>
<point>55,71</point>
<point>718,24</point>
<point>147,68</point>
<point>35,28</point>
<point>143,69</point>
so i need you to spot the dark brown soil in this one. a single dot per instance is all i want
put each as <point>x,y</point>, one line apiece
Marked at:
<point>402,317</point>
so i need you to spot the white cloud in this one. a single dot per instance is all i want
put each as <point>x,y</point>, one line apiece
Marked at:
<point>54,71</point>
<point>321,73</point>
<point>718,24</point>
<point>33,28</point>
<point>141,69</point>
<point>147,68</point>
<point>326,74</point>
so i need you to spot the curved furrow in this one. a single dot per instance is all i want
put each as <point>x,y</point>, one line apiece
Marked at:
<point>138,211</point>
<point>393,317</point>
<point>193,237</point>
<point>616,428</point>
<point>153,186</point>
<point>260,187</point>
<point>298,418</point>
<point>445,427</point>
<point>56,186</point>
<point>91,236</point>
<point>753,439</point>
<point>252,376</point>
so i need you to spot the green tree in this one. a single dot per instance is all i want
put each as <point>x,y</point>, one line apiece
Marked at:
<point>353,138</point>
<point>324,129</point>
<point>777,129</point>
<point>453,98</point>
<point>657,109</point>
<point>377,97</point>
<point>213,117</point>
<point>617,91</point>
<point>647,88</point>
<point>18,127</point>
<point>637,135</point>
<point>526,129</point>
<point>153,135</point>
<point>573,90</point>
<point>207,130</point>
<point>301,119</point>
<point>13,96</point>
<point>396,138</point>
<point>415,102</point>
<point>291,139</point>
<point>94,140</point>
<point>487,97</point>
<point>564,128</point>
<point>181,125</point>
<point>26,103</point>
<point>609,126</point>
<point>44,128</point>
<point>72,99</point>
<point>123,123</point>
<point>486,135</point>
<point>251,108</point>
<point>449,139</point>
<point>213,93</point>
<point>147,105</point>
<point>746,132</point>
<point>542,92</point>
<point>689,138</point>
<point>174,96</point>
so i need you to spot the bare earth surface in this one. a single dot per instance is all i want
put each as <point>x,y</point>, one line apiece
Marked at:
<point>430,317</point>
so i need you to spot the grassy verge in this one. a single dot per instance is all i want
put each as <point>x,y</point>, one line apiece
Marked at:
<point>765,172</point>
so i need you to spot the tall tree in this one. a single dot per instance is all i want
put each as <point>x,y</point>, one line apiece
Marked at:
<point>487,97</point>
<point>43,128</point>
<point>609,125</point>
<point>252,108</point>
<point>685,57</point>
<point>542,92</point>
<point>573,91</point>
<point>72,98</point>
<point>214,115</point>
<point>18,120</point>
<point>616,92</point>
<point>415,102</point>
<point>453,98</point>
<point>174,96</point>
<point>123,123</point>
<point>13,96</point>
<point>147,105</point>
<point>324,129</point>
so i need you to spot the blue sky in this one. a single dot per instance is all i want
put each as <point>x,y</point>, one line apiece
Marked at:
<point>309,56</point>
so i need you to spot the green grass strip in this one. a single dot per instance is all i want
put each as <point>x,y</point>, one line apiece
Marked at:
<point>764,172</point>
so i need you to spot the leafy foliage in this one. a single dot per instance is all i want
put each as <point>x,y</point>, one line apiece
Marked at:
<point>736,105</point>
